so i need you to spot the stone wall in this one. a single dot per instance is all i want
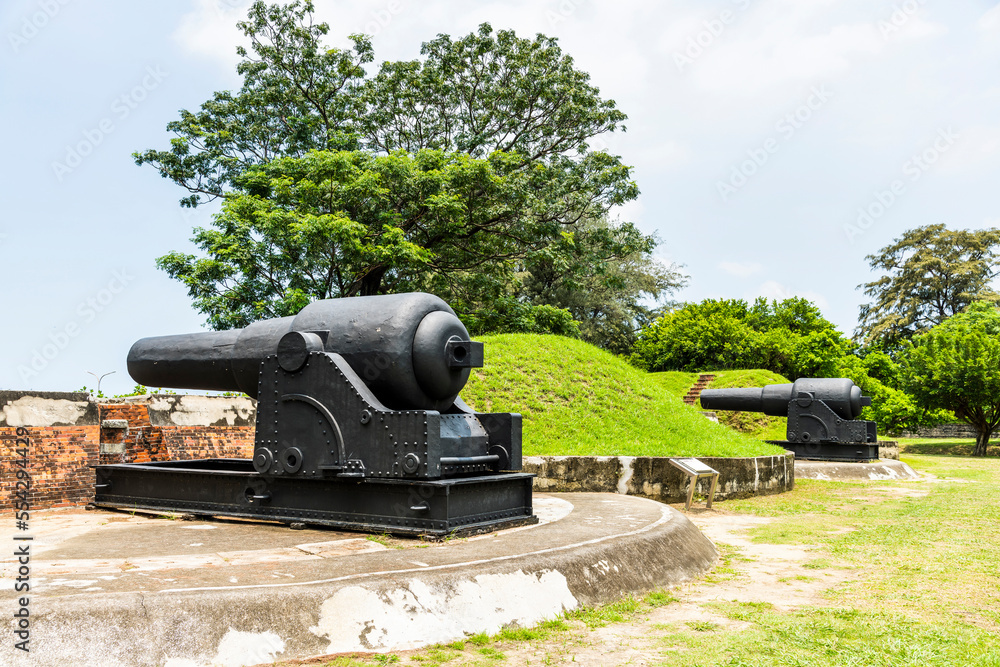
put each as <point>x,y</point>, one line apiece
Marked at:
<point>656,478</point>
<point>63,434</point>
<point>955,430</point>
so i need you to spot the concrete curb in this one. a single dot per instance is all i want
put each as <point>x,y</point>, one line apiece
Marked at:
<point>608,546</point>
<point>886,469</point>
<point>654,477</point>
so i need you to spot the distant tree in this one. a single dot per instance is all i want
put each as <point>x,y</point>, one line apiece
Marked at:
<point>789,337</point>
<point>892,409</point>
<point>505,120</point>
<point>956,366</point>
<point>604,274</point>
<point>933,273</point>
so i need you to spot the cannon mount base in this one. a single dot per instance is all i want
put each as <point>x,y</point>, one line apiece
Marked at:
<point>858,452</point>
<point>231,487</point>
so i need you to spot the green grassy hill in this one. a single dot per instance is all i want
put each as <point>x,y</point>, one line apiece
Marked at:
<point>580,400</point>
<point>676,383</point>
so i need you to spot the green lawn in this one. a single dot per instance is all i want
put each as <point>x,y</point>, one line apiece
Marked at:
<point>580,400</point>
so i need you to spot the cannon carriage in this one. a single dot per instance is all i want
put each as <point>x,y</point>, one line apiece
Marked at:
<point>359,423</point>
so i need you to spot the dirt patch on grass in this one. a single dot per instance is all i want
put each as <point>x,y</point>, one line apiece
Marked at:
<point>773,573</point>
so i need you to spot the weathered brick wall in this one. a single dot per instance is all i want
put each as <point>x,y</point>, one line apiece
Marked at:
<point>144,442</point>
<point>58,460</point>
<point>208,442</point>
<point>134,444</point>
<point>60,455</point>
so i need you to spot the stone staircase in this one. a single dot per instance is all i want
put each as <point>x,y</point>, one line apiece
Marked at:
<point>694,392</point>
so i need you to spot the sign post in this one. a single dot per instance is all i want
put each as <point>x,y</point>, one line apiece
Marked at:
<point>696,470</point>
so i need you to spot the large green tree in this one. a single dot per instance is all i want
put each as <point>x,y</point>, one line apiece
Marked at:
<point>931,274</point>
<point>789,337</point>
<point>956,366</point>
<point>454,173</point>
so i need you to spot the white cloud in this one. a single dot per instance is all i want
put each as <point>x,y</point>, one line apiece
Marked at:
<point>784,42</point>
<point>628,212</point>
<point>772,289</point>
<point>774,43</point>
<point>920,28</point>
<point>741,269</point>
<point>990,21</point>
<point>210,30</point>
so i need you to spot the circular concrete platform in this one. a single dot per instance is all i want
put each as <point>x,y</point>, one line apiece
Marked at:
<point>108,588</point>
<point>883,469</point>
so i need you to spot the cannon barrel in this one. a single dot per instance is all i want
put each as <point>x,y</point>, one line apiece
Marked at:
<point>411,350</point>
<point>840,394</point>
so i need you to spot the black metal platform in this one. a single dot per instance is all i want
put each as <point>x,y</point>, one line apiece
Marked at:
<point>231,487</point>
<point>857,452</point>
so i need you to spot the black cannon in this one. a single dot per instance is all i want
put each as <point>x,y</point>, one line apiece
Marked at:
<point>359,423</point>
<point>822,416</point>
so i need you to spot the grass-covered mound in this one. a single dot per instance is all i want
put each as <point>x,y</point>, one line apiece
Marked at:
<point>676,382</point>
<point>580,400</point>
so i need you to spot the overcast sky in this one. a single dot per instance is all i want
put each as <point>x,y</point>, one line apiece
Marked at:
<point>775,142</point>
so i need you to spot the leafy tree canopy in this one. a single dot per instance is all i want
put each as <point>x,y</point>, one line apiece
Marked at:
<point>892,409</point>
<point>483,93</point>
<point>932,273</point>
<point>956,366</point>
<point>605,276</point>
<point>466,173</point>
<point>789,337</point>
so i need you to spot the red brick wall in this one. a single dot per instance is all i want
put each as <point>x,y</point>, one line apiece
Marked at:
<point>141,445</point>
<point>58,462</point>
<point>60,456</point>
<point>206,442</point>
<point>144,443</point>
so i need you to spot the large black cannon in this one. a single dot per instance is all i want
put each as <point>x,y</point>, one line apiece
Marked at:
<point>822,416</point>
<point>359,423</point>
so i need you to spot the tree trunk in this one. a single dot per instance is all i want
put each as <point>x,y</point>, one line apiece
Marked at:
<point>982,440</point>
<point>371,283</point>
